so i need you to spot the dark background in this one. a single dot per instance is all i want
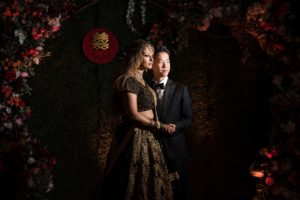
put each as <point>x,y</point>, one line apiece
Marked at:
<point>71,107</point>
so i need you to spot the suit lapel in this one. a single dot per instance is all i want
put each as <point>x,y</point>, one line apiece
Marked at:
<point>170,87</point>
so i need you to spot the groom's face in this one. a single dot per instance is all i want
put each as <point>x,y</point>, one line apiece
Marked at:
<point>161,66</point>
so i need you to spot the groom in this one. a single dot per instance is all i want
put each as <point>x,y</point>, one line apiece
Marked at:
<point>174,109</point>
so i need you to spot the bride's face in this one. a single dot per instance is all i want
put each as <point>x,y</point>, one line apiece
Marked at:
<point>147,59</point>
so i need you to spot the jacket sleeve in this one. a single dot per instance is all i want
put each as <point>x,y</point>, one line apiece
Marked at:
<point>186,120</point>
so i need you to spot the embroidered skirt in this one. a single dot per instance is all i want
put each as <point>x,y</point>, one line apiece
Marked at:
<point>139,170</point>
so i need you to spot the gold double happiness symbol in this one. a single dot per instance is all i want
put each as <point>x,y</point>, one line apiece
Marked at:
<point>100,41</point>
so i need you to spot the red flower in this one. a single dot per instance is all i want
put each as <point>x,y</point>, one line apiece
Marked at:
<point>35,34</point>
<point>32,52</point>
<point>19,102</point>
<point>154,31</point>
<point>279,47</point>
<point>268,26</point>
<point>43,30</point>
<point>7,12</point>
<point>15,14</point>
<point>10,101</point>
<point>52,162</point>
<point>269,180</point>
<point>10,75</point>
<point>6,91</point>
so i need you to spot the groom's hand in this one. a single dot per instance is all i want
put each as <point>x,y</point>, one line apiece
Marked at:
<point>168,128</point>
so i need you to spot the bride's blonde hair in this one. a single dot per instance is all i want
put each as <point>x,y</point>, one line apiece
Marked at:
<point>134,56</point>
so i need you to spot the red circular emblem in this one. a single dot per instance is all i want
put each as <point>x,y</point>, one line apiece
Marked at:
<point>100,45</point>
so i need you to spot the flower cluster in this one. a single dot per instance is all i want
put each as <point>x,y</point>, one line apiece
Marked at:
<point>277,173</point>
<point>272,24</point>
<point>182,16</point>
<point>25,26</point>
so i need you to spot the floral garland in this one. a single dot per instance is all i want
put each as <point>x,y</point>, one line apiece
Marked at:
<point>272,24</point>
<point>25,26</point>
<point>130,13</point>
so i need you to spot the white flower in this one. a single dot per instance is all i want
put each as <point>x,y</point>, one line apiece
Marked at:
<point>129,15</point>
<point>39,48</point>
<point>8,125</point>
<point>31,160</point>
<point>8,110</point>
<point>18,73</point>
<point>143,11</point>
<point>181,19</point>
<point>36,60</point>
<point>21,35</point>
<point>50,187</point>
<point>216,12</point>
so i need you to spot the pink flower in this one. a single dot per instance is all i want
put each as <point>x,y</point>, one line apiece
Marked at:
<point>55,28</point>
<point>24,74</point>
<point>19,121</point>
<point>54,23</point>
<point>43,30</point>
<point>269,155</point>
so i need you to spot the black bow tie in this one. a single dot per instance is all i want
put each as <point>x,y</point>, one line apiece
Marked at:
<point>158,85</point>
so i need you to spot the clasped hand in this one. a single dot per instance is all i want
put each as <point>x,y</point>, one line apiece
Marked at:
<point>168,128</point>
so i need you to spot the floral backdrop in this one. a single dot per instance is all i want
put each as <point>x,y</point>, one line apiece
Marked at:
<point>272,24</point>
<point>25,165</point>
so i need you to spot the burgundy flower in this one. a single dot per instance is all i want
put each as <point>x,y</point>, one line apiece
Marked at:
<point>20,102</point>
<point>280,47</point>
<point>52,162</point>
<point>6,91</point>
<point>10,75</point>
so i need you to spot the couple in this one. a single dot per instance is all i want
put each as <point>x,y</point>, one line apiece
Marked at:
<point>148,153</point>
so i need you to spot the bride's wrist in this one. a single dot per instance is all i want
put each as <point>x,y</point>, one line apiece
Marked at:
<point>155,124</point>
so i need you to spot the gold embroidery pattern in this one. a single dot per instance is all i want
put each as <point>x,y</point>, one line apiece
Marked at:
<point>149,178</point>
<point>100,41</point>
